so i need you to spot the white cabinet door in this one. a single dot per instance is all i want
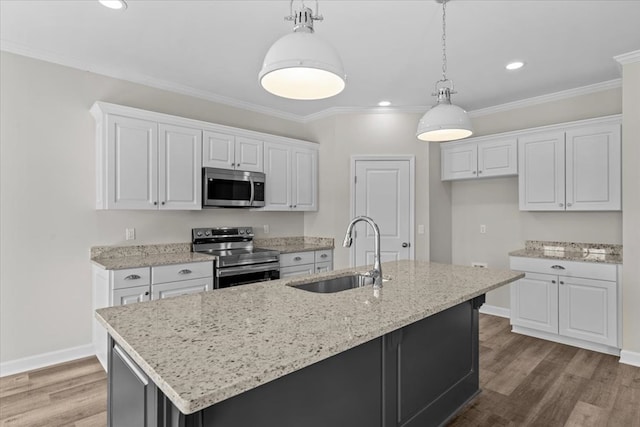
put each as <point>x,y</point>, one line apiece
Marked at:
<point>534,302</point>
<point>174,289</point>
<point>593,168</point>
<point>498,158</point>
<point>218,150</point>
<point>180,160</point>
<point>297,270</point>
<point>248,154</point>
<point>459,161</point>
<point>304,186</point>
<point>541,178</point>
<point>588,310</point>
<point>132,163</point>
<point>130,295</point>
<point>277,167</point>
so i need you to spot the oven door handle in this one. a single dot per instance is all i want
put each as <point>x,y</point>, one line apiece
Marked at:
<point>253,191</point>
<point>236,271</point>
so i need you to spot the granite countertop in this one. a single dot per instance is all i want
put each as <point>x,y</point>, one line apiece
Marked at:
<point>203,348</point>
<point>287,245</point>
<point>121,257</point>
<point>571,251</point>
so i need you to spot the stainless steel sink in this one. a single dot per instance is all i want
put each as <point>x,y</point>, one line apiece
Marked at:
<point>337,284</point>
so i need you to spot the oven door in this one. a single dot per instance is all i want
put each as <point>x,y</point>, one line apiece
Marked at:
<point>241,275</point>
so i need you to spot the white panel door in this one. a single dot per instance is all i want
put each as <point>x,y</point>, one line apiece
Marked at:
<point>305,179</point>
<point>277,167</point>
<point>218,150</point>
<point>541,178</point>
<point>248,154</point>
<point>132,163</point>
<point>498,158</point>
<point>593,168</point>
<point>383,193</point>
<point>459,161</point>
<point>534,302</point>
<point>588,310</point>
<point>180,159</point>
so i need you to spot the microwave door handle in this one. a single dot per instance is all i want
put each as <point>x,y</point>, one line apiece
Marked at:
<point>253,190</point>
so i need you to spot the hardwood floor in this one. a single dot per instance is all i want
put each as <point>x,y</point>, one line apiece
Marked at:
<point>524,381</point>
<point>530,382</point>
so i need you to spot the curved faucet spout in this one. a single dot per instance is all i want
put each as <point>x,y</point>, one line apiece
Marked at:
<point>376,273</point>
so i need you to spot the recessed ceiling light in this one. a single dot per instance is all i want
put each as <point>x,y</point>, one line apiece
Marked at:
<point>384,103</point>
<point>515,65</point>
<point>114,4</point>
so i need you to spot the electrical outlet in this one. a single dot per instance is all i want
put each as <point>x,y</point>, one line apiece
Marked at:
<point>479,264</point>
<point>420,228</point>
<point>130,233</point>
<point>483,229</point>
<point>265,228</point>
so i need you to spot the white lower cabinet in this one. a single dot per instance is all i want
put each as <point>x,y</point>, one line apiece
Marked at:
<point>576,303</point>
<point>305,263</point>
<point>127,286</point>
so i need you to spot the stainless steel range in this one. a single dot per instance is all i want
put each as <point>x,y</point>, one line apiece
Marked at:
<point>238,262</point>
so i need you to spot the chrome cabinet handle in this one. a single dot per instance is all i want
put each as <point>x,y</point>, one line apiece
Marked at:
<point>405,244</point>
<point>185,271</point>
<point>324,256</point>
<point>132,277</point>
<point>560,204</point>
<point>557,267</point>
<point>297,258</point>
<point>146,293</point>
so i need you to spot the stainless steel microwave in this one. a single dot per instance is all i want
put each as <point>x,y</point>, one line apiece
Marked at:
<point>223,188</point>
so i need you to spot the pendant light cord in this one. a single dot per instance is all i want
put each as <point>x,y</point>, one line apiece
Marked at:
<point>444,41</point>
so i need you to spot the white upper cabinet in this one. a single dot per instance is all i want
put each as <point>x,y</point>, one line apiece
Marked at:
<point>292,177</point>
<point>180,180</point>
<point>479,158</point>
<point>577,169</point>
<point>227,151</point>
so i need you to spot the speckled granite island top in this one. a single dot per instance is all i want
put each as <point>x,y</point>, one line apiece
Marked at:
<point>569,251</point>
<point>201,349</point>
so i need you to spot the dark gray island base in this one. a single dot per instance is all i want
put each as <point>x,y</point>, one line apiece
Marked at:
<point>419,375</point>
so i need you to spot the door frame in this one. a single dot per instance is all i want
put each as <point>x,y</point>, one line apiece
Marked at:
<point>412,194</point>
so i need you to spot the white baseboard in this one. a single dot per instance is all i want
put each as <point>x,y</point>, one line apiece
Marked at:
<point>41,360</point>
<point>494,310</point>
<point>630,358</point>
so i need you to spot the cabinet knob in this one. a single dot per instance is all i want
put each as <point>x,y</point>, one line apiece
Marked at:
<point>185,271</point>
<point>569,205</point>
<point>155,203</point>
<point>479,172</point>
<point>146,293</point>
<point>561,204</point>
<point>474,172</point>
<point>132,277</point>
<point>405,244</point>
<point>324,256</point>
<point>163,203</point>
<point>553,281</point>
<point>561,282</point>
<point>297,258</point>
<point>295,206</point>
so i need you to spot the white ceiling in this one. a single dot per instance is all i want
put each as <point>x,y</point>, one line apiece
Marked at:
<point>391,50</point>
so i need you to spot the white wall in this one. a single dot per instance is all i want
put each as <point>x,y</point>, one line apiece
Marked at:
<point>342,136</point>
<point>631,208</point>
<point>47,217</point>
<point>494,201</point>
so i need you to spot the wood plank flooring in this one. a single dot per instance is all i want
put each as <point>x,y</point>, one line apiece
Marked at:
<point>525,382</point>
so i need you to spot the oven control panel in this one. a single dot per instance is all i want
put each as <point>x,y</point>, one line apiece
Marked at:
<point>221,232</point>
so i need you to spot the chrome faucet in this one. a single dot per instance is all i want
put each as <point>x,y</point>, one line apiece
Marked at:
<point>376,273</point>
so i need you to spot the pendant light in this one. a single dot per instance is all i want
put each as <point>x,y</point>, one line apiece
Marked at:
<point>301,65</point>
<point>444,121</point>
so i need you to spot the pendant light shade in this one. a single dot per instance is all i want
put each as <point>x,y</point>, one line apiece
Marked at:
<point>444,121</point>
<point>301,65</point>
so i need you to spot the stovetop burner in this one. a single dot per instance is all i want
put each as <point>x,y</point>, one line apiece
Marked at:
<point>231,245</point>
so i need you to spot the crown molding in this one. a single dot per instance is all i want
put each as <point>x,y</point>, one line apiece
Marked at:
<point>209,96</point>
<point>142,79</point>
<point>542,99</point>
<point>628,58</point>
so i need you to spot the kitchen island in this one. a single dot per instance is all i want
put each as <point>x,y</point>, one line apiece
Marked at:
<point>270,354</point>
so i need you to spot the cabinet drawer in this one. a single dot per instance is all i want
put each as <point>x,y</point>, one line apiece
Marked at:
<point>131,277</point>
<point>185,287</point>
<point>565,268</point>
<point>322,267</point>
<point>297,258</point>
<point>297,270</point>
<point>178,272</point>
<point>324,255</point>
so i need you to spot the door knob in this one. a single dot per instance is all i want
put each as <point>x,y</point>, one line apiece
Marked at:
<point>405,244</point>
